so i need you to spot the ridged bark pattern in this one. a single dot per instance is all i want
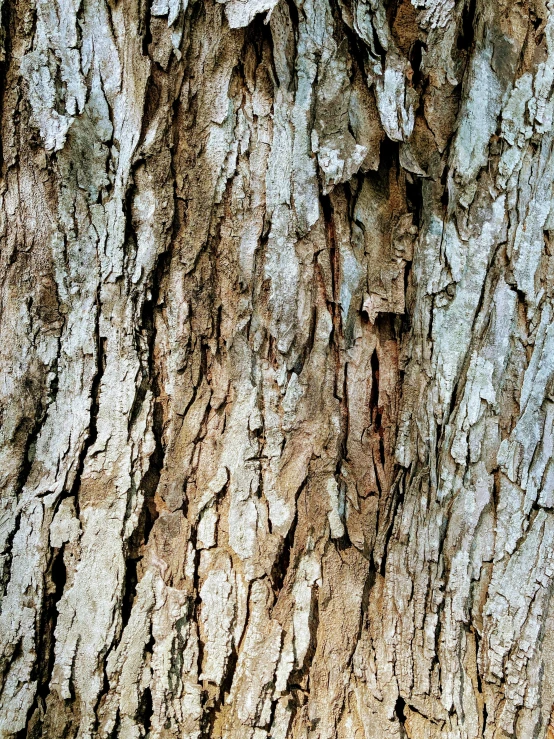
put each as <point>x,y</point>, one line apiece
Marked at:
<point>277,369</point>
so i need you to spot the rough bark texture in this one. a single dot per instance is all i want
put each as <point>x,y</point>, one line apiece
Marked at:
<point>277,355</point>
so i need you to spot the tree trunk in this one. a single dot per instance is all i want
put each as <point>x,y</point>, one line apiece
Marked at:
<point>277,398</point>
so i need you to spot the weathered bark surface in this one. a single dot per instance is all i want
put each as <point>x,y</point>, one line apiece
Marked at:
<point>277,355</point>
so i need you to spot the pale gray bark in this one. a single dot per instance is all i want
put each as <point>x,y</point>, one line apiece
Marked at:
<point>277,355</point>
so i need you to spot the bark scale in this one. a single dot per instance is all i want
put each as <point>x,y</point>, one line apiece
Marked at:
<point>277,399</point>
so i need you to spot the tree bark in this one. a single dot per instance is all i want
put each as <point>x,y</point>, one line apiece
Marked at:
<point>277,355</point>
